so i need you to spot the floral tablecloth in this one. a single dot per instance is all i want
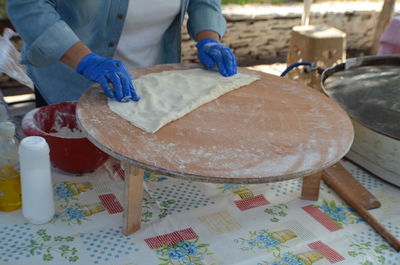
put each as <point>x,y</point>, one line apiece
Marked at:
<point>186,222</point>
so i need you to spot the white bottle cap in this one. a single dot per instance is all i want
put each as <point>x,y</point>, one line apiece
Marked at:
<point>7,129</point>
<point>34,143</point>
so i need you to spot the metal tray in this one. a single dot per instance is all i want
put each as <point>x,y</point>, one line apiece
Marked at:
<point>368,89</point>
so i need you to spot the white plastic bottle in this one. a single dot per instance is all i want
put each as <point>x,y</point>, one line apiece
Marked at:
<point>36,183</point>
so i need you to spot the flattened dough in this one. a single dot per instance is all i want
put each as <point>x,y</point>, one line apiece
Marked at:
<point>169,95</point>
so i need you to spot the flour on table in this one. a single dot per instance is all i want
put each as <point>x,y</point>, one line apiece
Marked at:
<point>169,95</point>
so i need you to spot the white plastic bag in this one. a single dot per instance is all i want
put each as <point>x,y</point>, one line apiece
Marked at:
<point>9,60</point>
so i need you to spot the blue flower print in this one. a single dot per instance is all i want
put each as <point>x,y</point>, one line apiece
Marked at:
<point>190,248</point>
<point>340,214</point>
<point>261,238</point>
<point>186,252</point>
<point>176,253</point>
<point>63,193</point>
<point>74,213</point>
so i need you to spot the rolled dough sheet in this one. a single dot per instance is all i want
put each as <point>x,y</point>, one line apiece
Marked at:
<point>169,95</point>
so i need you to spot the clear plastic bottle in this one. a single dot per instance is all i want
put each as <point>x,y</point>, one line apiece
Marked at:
<point>10,181</point>
<point>3,111</point>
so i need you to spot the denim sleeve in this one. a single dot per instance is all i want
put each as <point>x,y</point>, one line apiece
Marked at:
<point>46,36</point>
<point>205,15</point>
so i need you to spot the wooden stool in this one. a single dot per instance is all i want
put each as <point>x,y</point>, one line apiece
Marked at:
<point>320,44</point>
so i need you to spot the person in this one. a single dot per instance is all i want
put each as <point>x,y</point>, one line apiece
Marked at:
<point>68,45</point>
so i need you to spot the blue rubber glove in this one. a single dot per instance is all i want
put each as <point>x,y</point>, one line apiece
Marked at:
<point>104,71</point>
<point>211,53</point>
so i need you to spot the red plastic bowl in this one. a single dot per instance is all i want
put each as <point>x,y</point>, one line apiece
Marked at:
<point>73,152</point>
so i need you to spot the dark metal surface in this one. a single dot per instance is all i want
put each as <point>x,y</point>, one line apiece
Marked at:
<point>368,89</point>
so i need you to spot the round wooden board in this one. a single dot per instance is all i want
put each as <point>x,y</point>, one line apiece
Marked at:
<point>271,130</point>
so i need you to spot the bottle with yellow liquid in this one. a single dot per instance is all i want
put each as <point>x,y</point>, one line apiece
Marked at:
<point>10,183</point>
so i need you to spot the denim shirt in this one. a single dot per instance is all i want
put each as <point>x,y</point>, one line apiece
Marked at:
<point>50,27</point>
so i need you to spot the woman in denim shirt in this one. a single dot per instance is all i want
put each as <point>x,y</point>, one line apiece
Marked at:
<point>68,44</point>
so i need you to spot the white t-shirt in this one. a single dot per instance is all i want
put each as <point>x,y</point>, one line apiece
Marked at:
<point>145,24</point>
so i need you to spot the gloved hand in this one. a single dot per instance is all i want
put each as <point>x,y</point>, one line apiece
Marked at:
<point>211,52</point>
<point>104,71</point>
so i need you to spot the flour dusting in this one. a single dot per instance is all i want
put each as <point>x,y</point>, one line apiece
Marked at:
<point>66,132</point>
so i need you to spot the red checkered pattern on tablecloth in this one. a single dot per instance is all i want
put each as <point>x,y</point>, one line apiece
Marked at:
<point>330,254</point>
<point>252,202</point>
<point>117,169</point>
<point>111,203</point>
<point>322,218</point>
<point>171,238</point>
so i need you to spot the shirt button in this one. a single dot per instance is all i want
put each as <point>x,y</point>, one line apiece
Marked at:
<point>120,16</point>
<point>111,44</point>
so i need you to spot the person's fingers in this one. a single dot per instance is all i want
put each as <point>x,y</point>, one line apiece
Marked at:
<point>229,61</point>
<point>127,84</point>
<point>106,88</point>
<point>132,90</point>
<point>206,60</point>
<point>234,65</point>
<point>216,55</point>
<point>134,95</point>
<point>114,79</point>
<point>126,97</point>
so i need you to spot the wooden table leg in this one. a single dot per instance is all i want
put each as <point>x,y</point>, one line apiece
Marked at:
<point>133,195</point>
<point>310,187</point>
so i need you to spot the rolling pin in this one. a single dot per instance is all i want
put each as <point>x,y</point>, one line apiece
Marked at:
<point>359,198</point>
<point>345,185</point>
